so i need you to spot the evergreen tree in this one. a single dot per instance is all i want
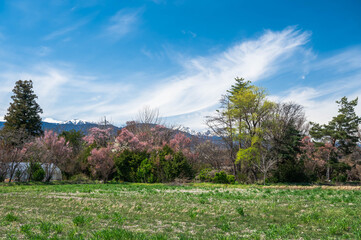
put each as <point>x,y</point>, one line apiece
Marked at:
<point>24,111</point>
<point>288,147</point>
<point>341,133</point>
<point>342,130</point>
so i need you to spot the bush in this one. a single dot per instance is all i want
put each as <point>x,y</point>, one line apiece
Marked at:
<point>36,172</point>
<point>204,175</point>
<point>159,166</point>
<point>79,178</point>
<point>171,165</point>
<point>145,172</point>
<point>223,177</point>
<point>127,164</point>
<point>231,179</point>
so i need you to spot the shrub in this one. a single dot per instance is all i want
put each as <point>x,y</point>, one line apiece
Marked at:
<point>80,178</point>
<point>36,172</point>
<point>223,177</point>
<point>220,177</point>
<point>163,165</point>
<point>127,164</point>
<point>204,175</point>
<point>231,179</point>
<point>145,171</point>
<point>171,165</point>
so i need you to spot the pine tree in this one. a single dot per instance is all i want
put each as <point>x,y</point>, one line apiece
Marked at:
<point>24,111</point>
<point>342,130</point>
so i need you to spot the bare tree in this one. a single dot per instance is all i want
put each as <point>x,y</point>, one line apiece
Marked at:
<point>11,155</point>
<point>11,158</point>
<point>211,154</point>
<point>266,162</point>
<point>286,115</point>
<point>148,115</point>
<point>222,125</point>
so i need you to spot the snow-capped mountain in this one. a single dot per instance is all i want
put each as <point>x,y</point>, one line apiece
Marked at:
<point>76,122</point>
<point>59,126</point>
<point>73,121</point>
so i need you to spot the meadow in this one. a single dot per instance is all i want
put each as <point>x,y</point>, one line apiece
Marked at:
<point>194,211</point>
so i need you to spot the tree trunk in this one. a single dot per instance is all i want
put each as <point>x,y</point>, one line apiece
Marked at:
<point>264,178</point>
<point>328,172</point>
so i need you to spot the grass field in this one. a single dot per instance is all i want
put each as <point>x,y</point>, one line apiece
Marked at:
<point>138,211</point>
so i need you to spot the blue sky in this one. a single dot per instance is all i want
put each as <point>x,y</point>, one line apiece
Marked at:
<point>90,59</point>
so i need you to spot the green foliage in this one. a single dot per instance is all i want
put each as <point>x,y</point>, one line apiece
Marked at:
<point>36,172</point>
<point>172,165</point>
<point>289,168</point>
<point>82,159</point>
<point>80,178</point>
<point>158,166</point>
<point>240,85</point>
<point>204,175</point>
<point>23,112</point>
<point>342,129</point>
<point>127,164</point>
<point>145,171</point>
<point>223,177</point>
<point>74,138</point>
<point>339,173</point>
<point>231,179</point>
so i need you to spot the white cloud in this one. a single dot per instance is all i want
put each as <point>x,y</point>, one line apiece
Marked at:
<point>186,97</point>
<point>205,79</point>
<point>63,31</point>
<point>65,95</point>
<point>342,77</point>
<point>123,22</point>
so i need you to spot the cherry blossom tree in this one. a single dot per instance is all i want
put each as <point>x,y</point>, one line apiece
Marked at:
<point>100,137</point>
<point>50,150</point>
<point>102,162</point>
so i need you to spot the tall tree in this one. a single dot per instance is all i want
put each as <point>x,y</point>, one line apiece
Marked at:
<point>24,111</point>
<point>342,130</point>
<point>340,134</point>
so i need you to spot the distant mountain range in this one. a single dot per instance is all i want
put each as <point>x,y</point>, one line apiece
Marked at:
<point>59,126</point>
<point>77,124</point>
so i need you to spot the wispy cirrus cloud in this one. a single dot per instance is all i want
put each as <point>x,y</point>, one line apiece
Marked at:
<point>205,79</point>
<point>194,90</point>
<point>123,22</point>
<point>187,96</point>
<point>64,31</point>
<point>341,74</point>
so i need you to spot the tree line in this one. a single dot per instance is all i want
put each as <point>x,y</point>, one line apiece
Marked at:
<point>257,140</point>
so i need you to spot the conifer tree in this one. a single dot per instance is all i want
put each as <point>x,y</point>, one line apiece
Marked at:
<point>24,111</point>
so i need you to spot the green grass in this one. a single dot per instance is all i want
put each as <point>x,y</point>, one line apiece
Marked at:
<point>198,211</point>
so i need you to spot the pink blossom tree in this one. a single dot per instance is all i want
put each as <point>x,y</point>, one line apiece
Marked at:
<point>102,162</point>
<point>182,143</point>
<point>130,141</point>
<point>50,150</point>
<point>101,137</point>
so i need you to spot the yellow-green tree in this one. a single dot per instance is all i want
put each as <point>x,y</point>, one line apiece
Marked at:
<point>253,113</point>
